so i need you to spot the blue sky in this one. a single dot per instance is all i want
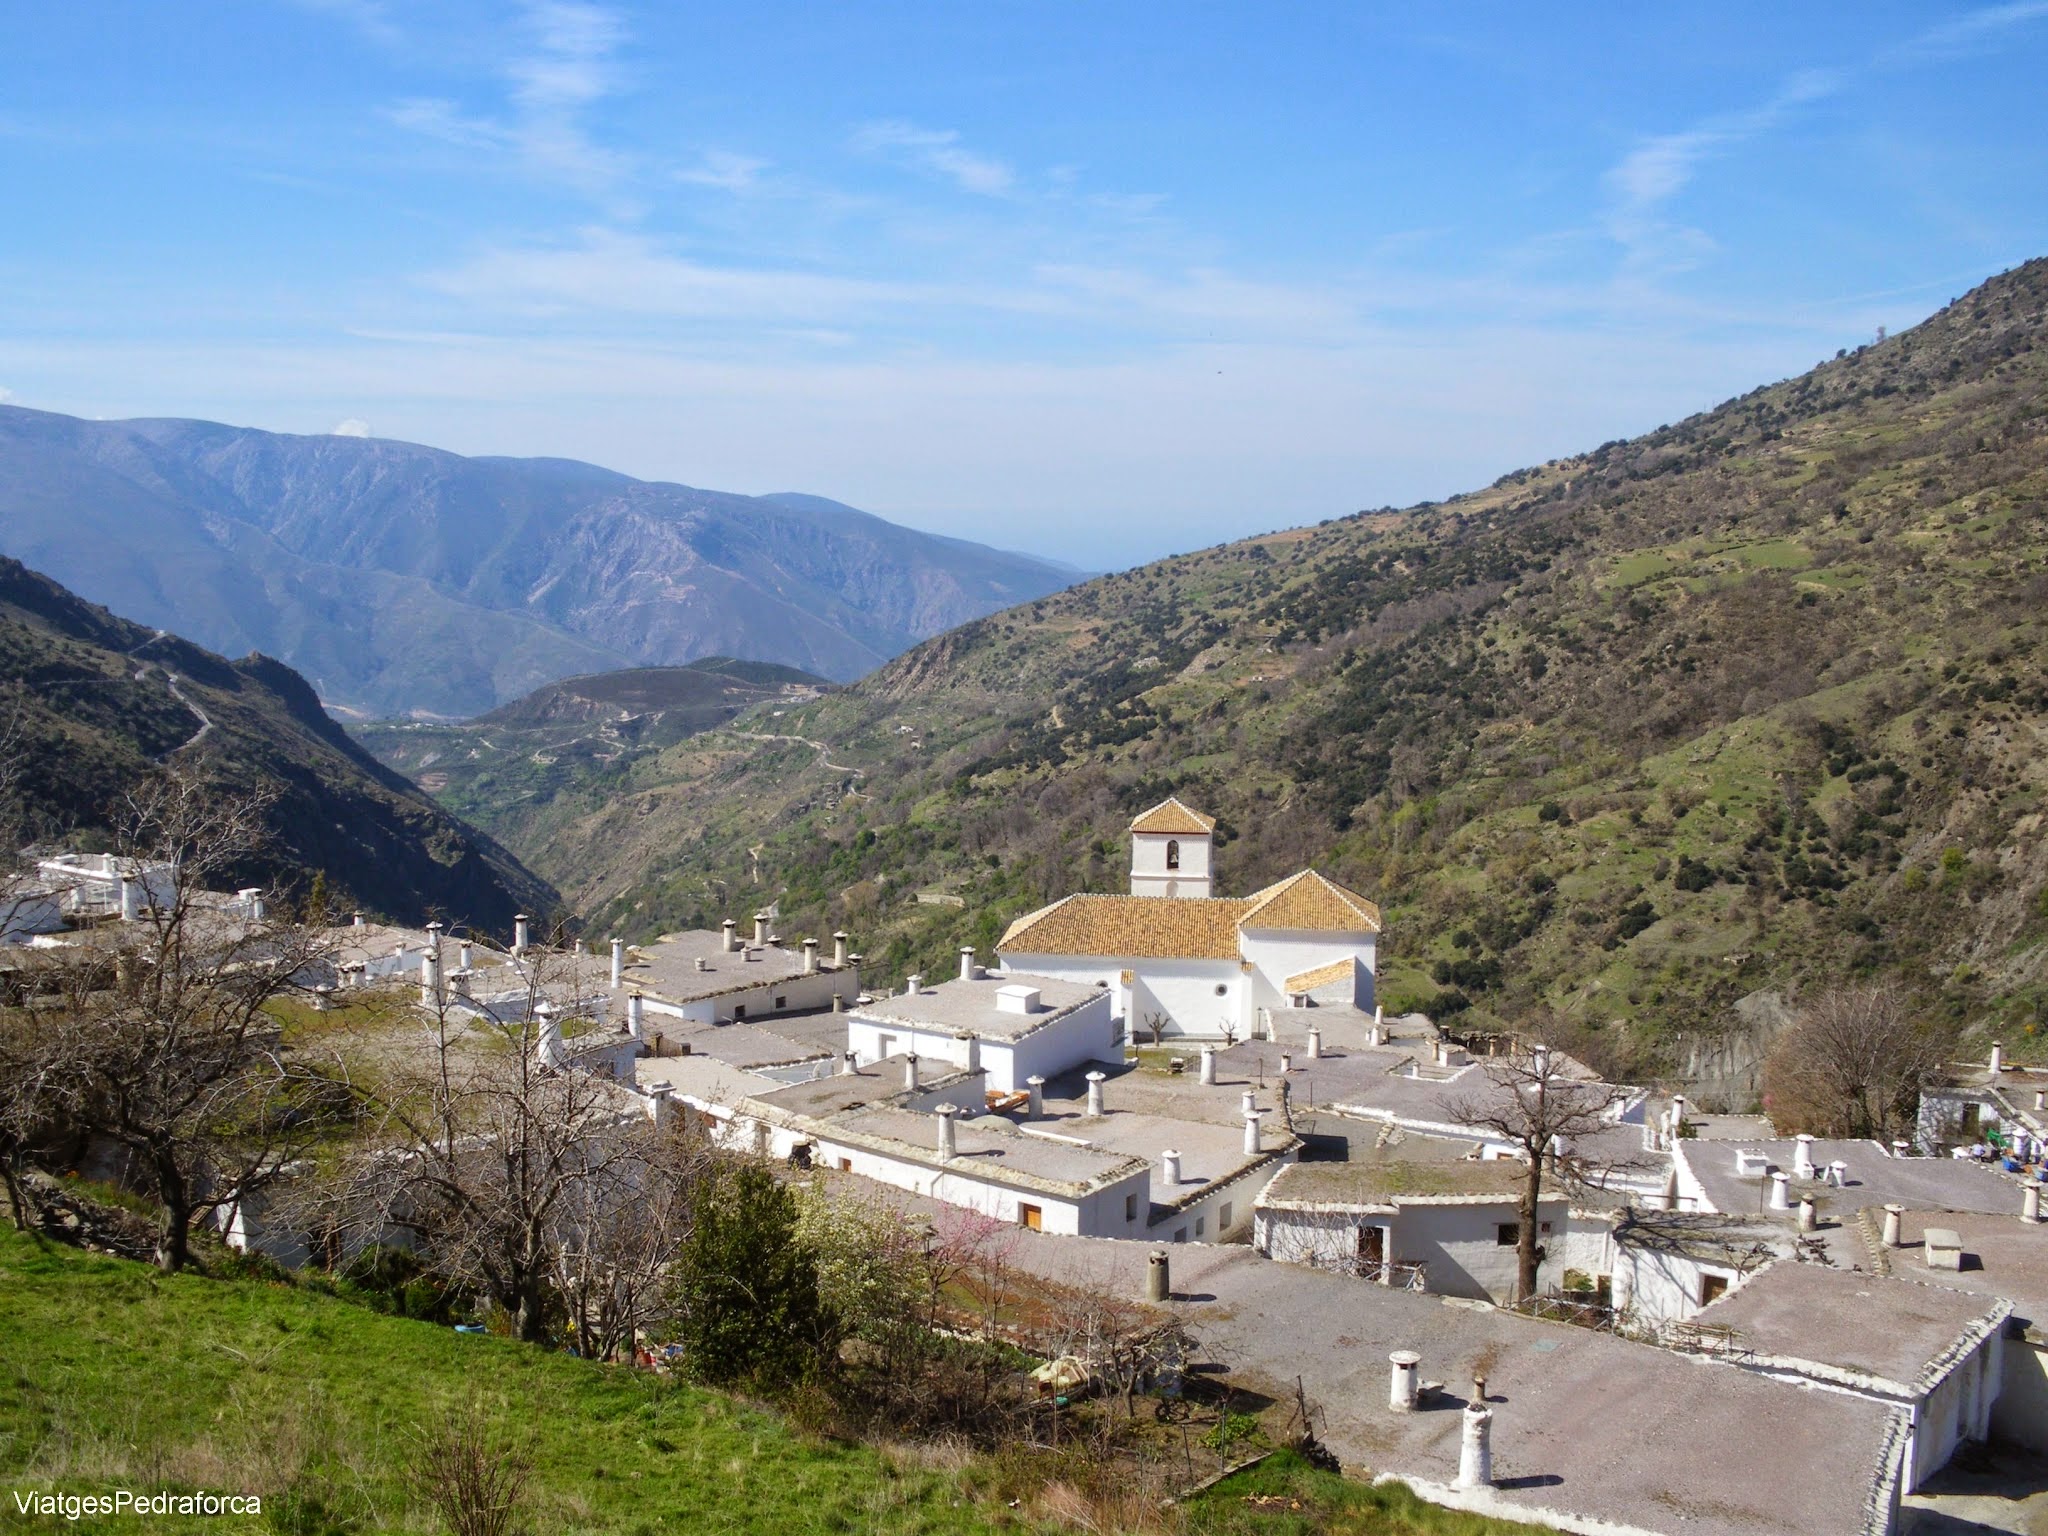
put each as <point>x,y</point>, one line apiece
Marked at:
<point>1098,281</point>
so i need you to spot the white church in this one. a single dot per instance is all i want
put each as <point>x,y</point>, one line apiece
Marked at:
<point>1184,962</point>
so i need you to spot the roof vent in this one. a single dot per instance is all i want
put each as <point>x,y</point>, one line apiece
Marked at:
<point>1017,999</point>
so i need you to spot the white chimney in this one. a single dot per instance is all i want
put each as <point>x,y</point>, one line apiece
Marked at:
<point>2040,1100</point>
<point>910,1071</point>
<point>1158,1277</point>
<point>356,919</point>
<point>839,940</point>
<point>1539,1060</point>
<point>1802,1156</point>
<point>658,1104</point>
<point>1036,1111</point>
<point>430,979</point>
<point>1475,1453</point>
<point>1997,1058</point>
<point>1781,1191</point>
<point>703,964</point>
<point>1286,1063</point>
<point>1251,1132</point>
<point>1095,1080</point>
<point>968,970</point>
<point>1209,1065</point>
<point>1838,1174</point>
<point>1901,1147</point>
<point>1677,1114</point>
<point>810,957</point>
<point>131,899</point>
<point>1017,999</point>
<point>252,898</point>
<point>1169,1168</point>
<point>2030,1203</point>
<point>618,961</point>
<point>849,1064</point>
<point>636,1015</point>
<point>549,1047</point>
<point>1248,1101</point>
<point>947,1146</point>
<point>728,937</point>
<point>913,985</point>
<point>973,1052</point>
<point>1808,1214</point>
<point>467,955</point>
<point>1315,1042</point>
<point>760,927</point>
<point>520,936</point>
<point>1406,1379</point>
<point>1894,1218</point>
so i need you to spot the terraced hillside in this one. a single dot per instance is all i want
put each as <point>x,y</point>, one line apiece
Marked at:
<point>576,733</point>
<point>1750,702</point>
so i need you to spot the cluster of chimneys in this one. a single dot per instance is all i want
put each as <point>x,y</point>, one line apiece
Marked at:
<point>1475,1450</point>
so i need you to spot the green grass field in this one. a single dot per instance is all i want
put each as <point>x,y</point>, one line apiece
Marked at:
<point>113,1376</point>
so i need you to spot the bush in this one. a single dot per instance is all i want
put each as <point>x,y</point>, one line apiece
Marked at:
<point>746,1288</point>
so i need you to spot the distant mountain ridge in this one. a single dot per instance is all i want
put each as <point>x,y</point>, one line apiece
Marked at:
<point>95,703</point>
<point>404,579</point>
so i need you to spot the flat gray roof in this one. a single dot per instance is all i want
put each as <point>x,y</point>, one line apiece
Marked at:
<point>1875,1177</point>
<point>668,967</point>
<point>985,1147</point>
<point>2011,1258</point>
<point>969,1007</point>
<point>1894,1330</point>
<point>1383,1179</point>
<point>880,1083</point>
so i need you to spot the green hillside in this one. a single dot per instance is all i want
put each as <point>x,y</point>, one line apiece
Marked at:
<point>1753,701</point>
<point>115,1376</point>
<point>90,703</point>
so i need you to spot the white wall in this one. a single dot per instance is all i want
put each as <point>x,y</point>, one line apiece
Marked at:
<point>799,994</point>
<point>1088,1033</point>
<point>1659,1286</point>
<point>1224,1212</point>
<point>1184,990</point>
<point>1279,953</point>
<point>1151,877</point>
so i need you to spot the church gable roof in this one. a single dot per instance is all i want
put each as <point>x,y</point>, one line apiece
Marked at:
<point>1313,902</point>
<point>1170,817</point>
<point>1134,927</point>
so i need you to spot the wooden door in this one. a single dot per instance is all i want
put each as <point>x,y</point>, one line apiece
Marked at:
<point>1372,1248</point>
<point>1032,1217</point>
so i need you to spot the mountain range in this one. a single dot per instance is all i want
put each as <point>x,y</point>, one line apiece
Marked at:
<point>403,580</point>
<point>93,703</point>
<point>1756,702</point>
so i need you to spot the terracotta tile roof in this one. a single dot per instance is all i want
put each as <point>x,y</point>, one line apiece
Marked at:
<point>1140,927</point>
<point>1322,975</point>
<point>1311,901</point>
<point>1170,816</point>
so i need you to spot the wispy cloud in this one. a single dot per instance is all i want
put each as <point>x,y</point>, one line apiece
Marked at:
<point>939,151</point>
<point>567,66</point>
<point>1659,168</point>
<point>1963,36</point>
<point>726,171</point>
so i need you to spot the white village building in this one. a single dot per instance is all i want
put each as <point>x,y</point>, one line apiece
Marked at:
<point>1183,962</point>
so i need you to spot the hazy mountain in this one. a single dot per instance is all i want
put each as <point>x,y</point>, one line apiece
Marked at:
<point>94,702</point>
<point>400,578</point>
<point>1758,700</point>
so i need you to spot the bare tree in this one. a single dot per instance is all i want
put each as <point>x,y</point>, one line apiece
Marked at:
<point>1534,1104</point>
<point>156,1037</point>
<point>1852,1063</point>
<point>495,1154</point>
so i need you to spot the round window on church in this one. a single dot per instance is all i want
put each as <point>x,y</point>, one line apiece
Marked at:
<point>1222,990</point>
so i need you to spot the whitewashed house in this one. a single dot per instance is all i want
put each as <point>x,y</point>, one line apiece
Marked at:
<point>1183,962</point>
<point>1010,1027</point>
<point>1452,1228</point>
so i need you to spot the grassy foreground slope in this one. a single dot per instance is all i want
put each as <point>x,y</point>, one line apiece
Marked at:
<point>112,1375</point>
<point>1755,700</point>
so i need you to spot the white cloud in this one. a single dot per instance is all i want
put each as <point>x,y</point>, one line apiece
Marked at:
<point>1659,168</point>
<point>939,151</point>
<point>6,395</point>
<point>1967,34</point>
<point>728,172</point>
<point>354,426</point>
<point>567,67</point>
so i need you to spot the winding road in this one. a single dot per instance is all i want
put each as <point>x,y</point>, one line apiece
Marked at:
<point>824,752</point>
